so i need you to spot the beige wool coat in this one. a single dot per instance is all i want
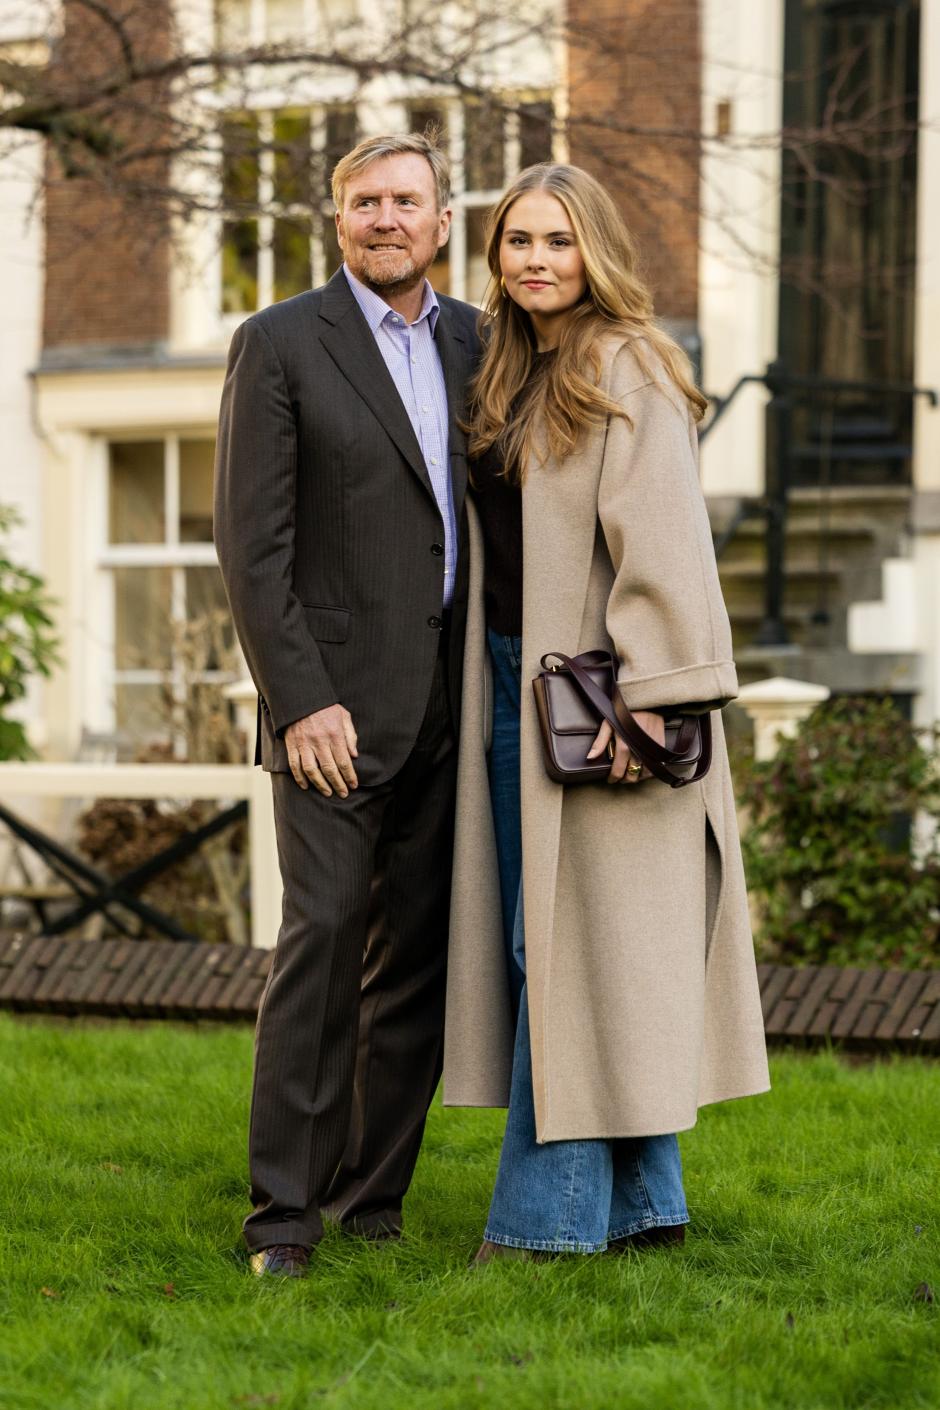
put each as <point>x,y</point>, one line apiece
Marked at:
<point>642,985</point>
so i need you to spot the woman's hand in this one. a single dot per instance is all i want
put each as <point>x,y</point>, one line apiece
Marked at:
<point>651,724</point>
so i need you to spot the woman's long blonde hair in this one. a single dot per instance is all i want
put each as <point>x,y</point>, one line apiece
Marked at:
<point>566,390</point>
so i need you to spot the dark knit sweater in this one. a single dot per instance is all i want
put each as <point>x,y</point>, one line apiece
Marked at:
<point>498,501</point>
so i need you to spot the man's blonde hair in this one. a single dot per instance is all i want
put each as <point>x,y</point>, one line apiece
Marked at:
<point>373,149</point>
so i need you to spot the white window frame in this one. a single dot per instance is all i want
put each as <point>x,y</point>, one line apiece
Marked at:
<point>170,554</point>
<point>316,213</point>
<point>463,200</point>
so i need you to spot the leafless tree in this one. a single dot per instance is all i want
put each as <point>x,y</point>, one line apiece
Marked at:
<point>131,95</point>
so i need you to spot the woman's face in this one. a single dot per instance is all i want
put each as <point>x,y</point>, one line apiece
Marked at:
<point>539,258</point>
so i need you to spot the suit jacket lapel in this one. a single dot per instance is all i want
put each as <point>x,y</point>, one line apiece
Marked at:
<point>348,340</point>
<point>455,361</point>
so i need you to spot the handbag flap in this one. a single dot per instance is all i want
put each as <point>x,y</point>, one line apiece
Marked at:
<point>570,714</point>
<point>568,711</point>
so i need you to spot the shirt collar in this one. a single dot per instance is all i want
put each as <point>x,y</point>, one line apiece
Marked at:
<point>376,310</point>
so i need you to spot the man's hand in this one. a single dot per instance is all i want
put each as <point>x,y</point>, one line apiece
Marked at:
<point>650,723</point>
<point>320,750</point>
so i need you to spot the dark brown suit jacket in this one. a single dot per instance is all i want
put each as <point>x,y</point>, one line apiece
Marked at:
<point>328,534</point>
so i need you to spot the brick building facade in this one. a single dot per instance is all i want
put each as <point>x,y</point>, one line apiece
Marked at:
<point>125,396</point>
<point>632,99</point>
<point>634,108</point>
<point>107,248</point>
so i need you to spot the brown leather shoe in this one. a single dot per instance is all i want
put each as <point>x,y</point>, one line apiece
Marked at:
<point>666,1235</point>
<point>488,1251</point>
<point>282,1260</point>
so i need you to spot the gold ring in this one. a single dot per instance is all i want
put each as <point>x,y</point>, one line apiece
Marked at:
<point>634,770</point>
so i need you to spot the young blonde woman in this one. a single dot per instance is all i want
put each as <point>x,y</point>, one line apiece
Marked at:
<point>601,973</point>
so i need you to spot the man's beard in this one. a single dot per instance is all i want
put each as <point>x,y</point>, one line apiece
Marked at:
<point>380,273</point>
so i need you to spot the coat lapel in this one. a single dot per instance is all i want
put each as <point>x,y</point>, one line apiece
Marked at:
<point>347,338</point>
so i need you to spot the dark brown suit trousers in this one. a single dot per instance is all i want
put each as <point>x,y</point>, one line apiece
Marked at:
<point>330,543</point>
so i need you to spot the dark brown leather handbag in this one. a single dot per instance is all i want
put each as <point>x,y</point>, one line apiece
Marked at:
<point>573,696</point>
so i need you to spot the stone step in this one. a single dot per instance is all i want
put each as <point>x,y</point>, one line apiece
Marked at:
<point>753,570</point>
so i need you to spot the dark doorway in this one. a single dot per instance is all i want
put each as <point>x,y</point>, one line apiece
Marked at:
<point>848,232</point>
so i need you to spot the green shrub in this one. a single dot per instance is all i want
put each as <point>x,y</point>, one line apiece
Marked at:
<point>27,640</point>
<point>828,849</point>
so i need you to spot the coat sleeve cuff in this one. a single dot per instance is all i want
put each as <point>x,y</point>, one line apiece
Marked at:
<point>710,686</point>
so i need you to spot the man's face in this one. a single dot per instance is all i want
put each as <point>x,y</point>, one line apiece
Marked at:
<point>390,228</point>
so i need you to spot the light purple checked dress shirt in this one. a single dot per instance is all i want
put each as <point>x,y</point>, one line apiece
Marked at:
<point>411,356</point>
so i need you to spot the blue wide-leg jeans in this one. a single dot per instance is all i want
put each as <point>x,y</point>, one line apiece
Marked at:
<point>562,1196</point>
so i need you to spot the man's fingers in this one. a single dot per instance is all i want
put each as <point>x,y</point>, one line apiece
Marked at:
<point>329,770</point>
<point>332,775</point>
<point>335,764</point>
<point>321,748</point>
<point>314,772</point>
<point>345,765</point>
<point>296,768</point>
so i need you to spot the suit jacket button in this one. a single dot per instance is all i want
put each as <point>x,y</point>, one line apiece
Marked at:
<point>437,549</point>
<point>434,621</point>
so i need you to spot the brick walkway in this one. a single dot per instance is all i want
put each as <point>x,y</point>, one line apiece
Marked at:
<point>856,1008</point>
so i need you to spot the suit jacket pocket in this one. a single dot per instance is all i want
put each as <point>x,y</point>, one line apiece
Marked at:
<point>327,623</point>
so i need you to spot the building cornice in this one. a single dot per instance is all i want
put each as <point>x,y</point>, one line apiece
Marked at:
<point>107,394</point>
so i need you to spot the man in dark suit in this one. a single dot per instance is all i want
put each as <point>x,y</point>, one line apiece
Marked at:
<point>340,477</point>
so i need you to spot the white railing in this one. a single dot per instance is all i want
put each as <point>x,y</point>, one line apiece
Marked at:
<point>225,782</point>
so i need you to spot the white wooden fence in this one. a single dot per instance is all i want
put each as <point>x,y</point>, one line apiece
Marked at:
<point>775,707</point>
<point>225,782</point>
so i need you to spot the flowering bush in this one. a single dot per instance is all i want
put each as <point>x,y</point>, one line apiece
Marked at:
<point>829,850</point>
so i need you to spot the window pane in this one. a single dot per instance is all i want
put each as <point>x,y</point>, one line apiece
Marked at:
<point>204,591</point>
<point>135,492</point>
<point>439,273</point>
<point>240,146</point>
<point>421,116</point>
<point>478,271</point>
<point>484,167</point>
<point>291,257</point>
<point>332,253</point>
<point>535,133</point>
<point>240,266</point>
<point>240,199</point>
<point>212,639</point>
<point>338,139</point>
<point>285,20</point>
<point>196,461</point>
<point>142,629</point>
<point>232,23</point>
<point>142,711</point>
<point>292,159</point>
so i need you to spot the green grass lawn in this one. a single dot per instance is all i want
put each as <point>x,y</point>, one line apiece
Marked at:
<point>814,1222</point>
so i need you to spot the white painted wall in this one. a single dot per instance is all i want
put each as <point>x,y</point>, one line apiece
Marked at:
<point>20,334</point>
<point>927,314</point>
<point>926,465</point>
<point>742,48</point>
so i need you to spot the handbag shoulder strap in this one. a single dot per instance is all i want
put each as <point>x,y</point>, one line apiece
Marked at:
<point>655,757</point>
